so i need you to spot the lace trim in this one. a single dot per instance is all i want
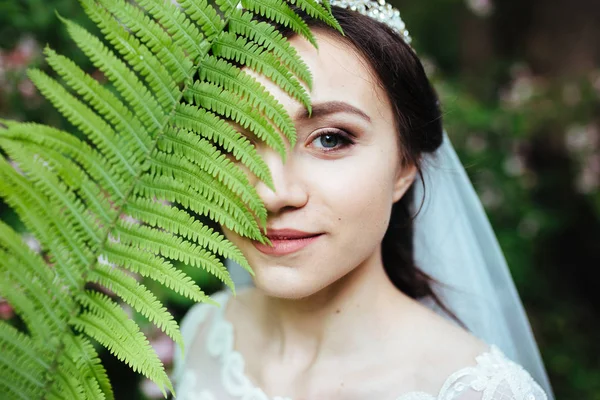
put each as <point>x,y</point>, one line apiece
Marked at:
<point>219,344</point>
<point>493,375</point>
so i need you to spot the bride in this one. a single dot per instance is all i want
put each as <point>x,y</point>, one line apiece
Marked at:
<point>384,279</point>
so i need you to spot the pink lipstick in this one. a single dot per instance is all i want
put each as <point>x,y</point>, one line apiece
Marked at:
<point>286,241</point>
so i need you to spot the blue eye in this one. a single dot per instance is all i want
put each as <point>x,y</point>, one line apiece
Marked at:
<point>329,141</point>
<point>332,141</point>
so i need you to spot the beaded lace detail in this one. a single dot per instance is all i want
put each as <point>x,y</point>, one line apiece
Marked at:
<point>494,377</point>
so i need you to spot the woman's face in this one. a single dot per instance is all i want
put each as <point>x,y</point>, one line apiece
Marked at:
<point>334,194</point>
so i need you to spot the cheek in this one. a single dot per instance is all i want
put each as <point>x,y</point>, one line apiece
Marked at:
<point>360,189</point>
<point>357,198</point>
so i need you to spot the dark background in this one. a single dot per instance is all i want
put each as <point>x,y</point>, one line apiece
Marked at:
<point>520,85</point>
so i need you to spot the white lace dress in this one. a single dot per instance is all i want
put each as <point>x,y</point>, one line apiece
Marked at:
<point>216,370</point>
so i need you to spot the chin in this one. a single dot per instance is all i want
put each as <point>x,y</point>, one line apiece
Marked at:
<point>285,285</point>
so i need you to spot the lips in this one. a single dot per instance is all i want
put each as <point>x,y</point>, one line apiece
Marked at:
<point>288,234</point>
<point>286,241</point>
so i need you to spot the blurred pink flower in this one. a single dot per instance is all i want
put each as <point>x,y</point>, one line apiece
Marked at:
<point>6,310</point>
<point>24,52</point>
<point>12,68</point>
<point>522,88</point>
<point>582,138</point>
<point>27,89</point>
<point>32,243</point>
<point>491,198</point>
<point>150,390</point>
<point>476,143</point>
<point>588,180</point>
<point>481,8</point>
<point>515,165</point>
<point>164,347</point>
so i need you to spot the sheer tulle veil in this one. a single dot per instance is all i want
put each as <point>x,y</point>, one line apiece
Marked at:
<point>456,245</point>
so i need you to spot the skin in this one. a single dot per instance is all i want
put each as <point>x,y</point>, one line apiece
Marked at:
<point>326,322</point>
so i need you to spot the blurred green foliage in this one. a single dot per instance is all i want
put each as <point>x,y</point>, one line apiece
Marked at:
<point>530,142</point>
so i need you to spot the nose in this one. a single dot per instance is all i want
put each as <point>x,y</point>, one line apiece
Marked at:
<point>290,193</point>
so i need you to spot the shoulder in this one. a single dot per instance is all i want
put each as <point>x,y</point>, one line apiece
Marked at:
<point>456,365</point>
<point>494,377</point>
<point>450,345</point>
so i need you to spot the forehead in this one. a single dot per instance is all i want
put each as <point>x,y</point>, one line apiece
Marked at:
<point>339,74</point>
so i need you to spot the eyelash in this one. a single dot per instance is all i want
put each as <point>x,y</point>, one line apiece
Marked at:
<point>344,137</point>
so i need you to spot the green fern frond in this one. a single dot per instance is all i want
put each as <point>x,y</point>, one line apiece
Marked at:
<point>100,99</point>
<point>209,159</point>
<point>233,217</point>
<point>71,381</point>
<point>227,104</point>
<point>160,242</point>
<point>156,268</point>
<point>154,37</point>
<point>43,306</point>
<point>42,220</point>
<point>32,265</point>
<point>182,169</point>
<point>69,145</point>
<point>101,209</point>
<point>317,11</point>
<point>106,322</point>
<point>227,6</point>
<point>138,297</point>
<point>59,195</point>
<point>138,56</point>
<point>27,307</point>
<point>240,50</point>
<point>34,305</point>
<point>271,39</point>
<point>229,77</point>
<point>157,148</point>
<point>101,134</point>
<point>181,223</point>
<point>205,16</point>
<point>183,31</point>
<point>282,14</point>
<point>176,170</point>
<point>208,125</point>
<point>83,353</point>
<point>135,93</point>
<point>23,364</point>
<point>66,385</point>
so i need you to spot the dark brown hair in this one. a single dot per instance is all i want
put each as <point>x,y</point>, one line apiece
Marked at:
<point>418,122</point>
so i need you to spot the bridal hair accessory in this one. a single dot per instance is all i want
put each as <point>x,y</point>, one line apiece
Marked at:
<point>379,11</point>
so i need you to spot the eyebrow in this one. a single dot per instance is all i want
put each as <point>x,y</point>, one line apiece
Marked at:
<point>331,107</point>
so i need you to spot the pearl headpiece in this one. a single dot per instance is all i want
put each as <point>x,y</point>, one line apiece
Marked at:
<point>380,11</point>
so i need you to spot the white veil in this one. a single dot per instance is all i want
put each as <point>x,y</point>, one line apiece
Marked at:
<point>455,245</point>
